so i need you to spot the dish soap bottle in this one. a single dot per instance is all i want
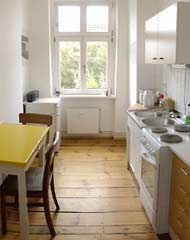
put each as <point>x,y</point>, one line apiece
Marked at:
<point>187,118</point>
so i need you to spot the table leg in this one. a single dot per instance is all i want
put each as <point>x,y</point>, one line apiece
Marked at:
<point>23,209</point>
<point>2,177</point>
<point>42,155</point>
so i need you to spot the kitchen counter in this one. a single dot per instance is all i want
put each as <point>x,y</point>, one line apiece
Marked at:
<point>182,150</point>
<point>139,106</point>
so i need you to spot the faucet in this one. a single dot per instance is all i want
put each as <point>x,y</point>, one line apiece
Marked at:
<point>164,104</point>
<point>171,114</point>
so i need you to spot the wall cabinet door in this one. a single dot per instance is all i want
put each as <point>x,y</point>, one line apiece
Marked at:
<point>168,36</point>
<point>167,28</point>
<point>151,46</point>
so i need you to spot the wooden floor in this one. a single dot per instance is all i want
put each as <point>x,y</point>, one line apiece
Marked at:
<point>97,195</point>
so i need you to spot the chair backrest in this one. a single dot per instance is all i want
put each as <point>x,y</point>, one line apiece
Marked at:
<point>48,171</point>
<point>34,118</point>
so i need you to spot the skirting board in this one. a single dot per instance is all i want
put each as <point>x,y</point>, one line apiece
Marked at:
<point>100,135</point>
<point>172,234</point>
<point>118,136</point>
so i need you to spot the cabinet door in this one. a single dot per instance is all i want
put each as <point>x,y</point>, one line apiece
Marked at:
<point>179,200</point>
<point>138,154</point>
<point>167,28</point>
<point>132,150</point>
<point>151,49</point>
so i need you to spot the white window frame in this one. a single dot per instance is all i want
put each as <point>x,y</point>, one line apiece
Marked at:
<point>83,37</point>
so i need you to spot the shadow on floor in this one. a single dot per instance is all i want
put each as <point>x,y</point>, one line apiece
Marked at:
<point>164,237</point>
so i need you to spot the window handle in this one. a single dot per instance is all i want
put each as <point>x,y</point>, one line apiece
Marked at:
<point>84,69</point>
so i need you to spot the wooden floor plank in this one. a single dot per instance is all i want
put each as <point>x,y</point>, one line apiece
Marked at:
<point>146,236</point>
<point>97,195</point>
<point>97,192</point>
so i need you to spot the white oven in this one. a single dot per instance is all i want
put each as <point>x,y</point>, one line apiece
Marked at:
<point>155,183</point>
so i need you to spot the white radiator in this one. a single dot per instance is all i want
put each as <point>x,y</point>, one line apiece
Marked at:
<point>83,120</point>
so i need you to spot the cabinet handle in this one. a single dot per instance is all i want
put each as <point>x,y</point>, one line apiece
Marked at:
<point>161,58</point>
<point>154,59</point>
<point>182,190</point>
<point>183,170</point>
<point>179,223</point>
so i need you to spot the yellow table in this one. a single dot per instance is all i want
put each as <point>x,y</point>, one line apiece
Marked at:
<point>19,145</point>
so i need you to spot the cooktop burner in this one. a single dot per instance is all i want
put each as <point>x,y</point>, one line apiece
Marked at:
<point>171,138</point>
<point>159,130</point>
<point>182,128</point>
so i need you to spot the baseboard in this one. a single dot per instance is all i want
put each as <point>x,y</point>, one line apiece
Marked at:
<point>100,135</point>
<point>115,136</point>
<point>119,136</point>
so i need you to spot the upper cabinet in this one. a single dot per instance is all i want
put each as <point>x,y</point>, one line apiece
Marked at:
<point>168,36</point>
<point>151,45</point>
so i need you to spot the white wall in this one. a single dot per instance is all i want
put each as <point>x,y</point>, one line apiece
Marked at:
<point>142,76</point>
<point>148,76</point>
<point>40,54</point>
<point>122,70</point>
<point>25,32</point>
<point>10,60</point>
<point>113,111</point>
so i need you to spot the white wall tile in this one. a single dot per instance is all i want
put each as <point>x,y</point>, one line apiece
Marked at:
<point>176,86</point>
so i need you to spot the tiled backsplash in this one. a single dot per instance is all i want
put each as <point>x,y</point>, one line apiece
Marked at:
<point>177,87</point>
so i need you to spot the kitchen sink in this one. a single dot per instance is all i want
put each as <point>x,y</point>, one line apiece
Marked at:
<point>143,114</point>
<point>158,122</point>
<point>148,114</point>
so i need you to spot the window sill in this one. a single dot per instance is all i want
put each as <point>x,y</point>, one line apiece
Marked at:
<point>111,97</point>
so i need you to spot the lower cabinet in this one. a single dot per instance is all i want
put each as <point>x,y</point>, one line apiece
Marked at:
<point>134,137</point>
<point>180,200</point>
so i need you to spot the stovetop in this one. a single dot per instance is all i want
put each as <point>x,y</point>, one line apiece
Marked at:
<point>155,137</point>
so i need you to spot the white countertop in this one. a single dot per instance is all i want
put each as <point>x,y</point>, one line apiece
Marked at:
<point>54,100</point>
<point>182,151</point>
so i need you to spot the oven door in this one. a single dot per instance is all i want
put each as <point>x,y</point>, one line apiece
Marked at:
<point>149,176</point>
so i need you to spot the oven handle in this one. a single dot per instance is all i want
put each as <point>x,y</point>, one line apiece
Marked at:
<point>148,159</point>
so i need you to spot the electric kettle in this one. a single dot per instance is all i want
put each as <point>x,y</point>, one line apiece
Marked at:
<point>148,98</point>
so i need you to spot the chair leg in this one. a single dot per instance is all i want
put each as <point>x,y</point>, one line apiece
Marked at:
<point>16,201</point>
<point>47,214</point>
<point>53,194</point>
<point>3,213</point>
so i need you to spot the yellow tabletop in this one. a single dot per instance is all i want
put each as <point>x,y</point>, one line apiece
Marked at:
<point>18,142</point>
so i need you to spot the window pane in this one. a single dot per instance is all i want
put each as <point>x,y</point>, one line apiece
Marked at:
<point>97,18</point>
<point>97,64</point>
<point>69,18</point>
<point>69,64</point>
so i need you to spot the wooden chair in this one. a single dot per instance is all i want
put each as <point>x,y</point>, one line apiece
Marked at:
<point>38,181</point>
<point>41,119</point>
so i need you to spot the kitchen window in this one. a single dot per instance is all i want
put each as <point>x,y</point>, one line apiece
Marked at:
<point>84,46</point>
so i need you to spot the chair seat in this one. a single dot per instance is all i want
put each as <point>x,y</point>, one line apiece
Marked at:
<point>34,180</point>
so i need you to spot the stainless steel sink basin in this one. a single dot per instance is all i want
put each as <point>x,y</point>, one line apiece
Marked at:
<point>158,122</point>
<point>143,114</point>
<point>148,114</point>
